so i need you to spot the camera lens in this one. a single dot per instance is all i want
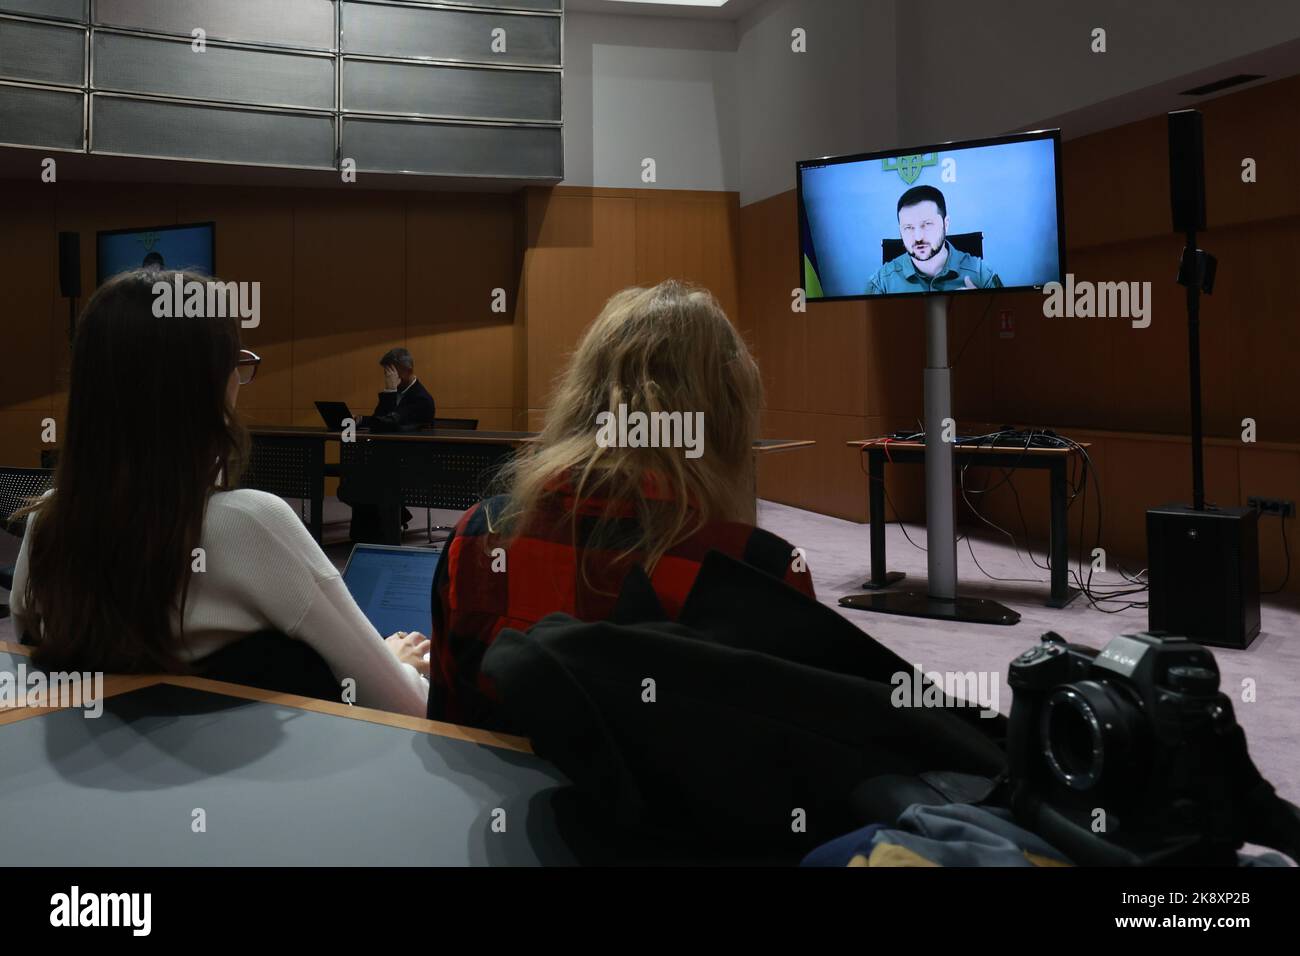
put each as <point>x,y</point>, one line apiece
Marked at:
<point>1088,732</point>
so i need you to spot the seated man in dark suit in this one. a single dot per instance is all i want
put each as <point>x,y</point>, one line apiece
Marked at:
<point>404,405</point>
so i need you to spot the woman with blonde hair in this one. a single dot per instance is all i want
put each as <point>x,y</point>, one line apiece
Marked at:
<point>646,460</point>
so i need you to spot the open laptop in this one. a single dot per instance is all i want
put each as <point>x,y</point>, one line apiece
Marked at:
<point>333,414</point>
<point>393,586</point>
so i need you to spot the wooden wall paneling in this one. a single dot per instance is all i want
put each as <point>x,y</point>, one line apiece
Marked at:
<point>458,250</point>
<point>1116,184</point>
<point>349,272</point>
<point>836,337</point>
<point>780,475</point>
<point>751,264</point>
<point>1056,371</point>
<point>1246,124</point>
<point>972,334</point>
<point>895,385</point>
<point>777,334</point>
<point>29,265</point>
<point>838,487</point>
<point>310,418</point>
<point>255,243</point>
<point>1147,382</point>
<point>20,436</point>
<point>1258,315</point>
<point>255,417</point>
<point>1128,492</point>
<point>580,252</point>
<point>1141,473</point>
<point>523,201</point>
<point>1149,370</point>
<point>692,239</point>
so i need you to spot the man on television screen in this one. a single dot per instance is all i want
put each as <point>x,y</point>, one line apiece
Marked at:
<point>930,262</point>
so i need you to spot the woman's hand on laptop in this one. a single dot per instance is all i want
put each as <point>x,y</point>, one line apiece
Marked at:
<point>411,647</point>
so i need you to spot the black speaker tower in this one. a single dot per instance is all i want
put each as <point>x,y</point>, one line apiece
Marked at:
<point>1203,563</point>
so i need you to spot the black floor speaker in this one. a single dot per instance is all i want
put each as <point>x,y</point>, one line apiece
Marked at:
<point>1203,567</point>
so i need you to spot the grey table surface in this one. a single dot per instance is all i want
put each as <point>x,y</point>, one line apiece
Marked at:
<point>276,786</point>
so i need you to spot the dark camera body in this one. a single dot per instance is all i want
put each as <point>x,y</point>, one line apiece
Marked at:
<point>1127,755</point>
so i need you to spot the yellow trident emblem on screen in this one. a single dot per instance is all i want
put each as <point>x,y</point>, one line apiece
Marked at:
<point>909,167</point>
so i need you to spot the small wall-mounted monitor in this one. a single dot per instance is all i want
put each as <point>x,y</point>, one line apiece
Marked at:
<point>188,248</point>
<point>953,217</point>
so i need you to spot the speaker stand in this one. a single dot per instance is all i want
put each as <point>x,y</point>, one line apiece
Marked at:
<point>940,600</point>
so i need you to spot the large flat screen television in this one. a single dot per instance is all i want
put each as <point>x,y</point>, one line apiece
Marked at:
<point>951,217</point>
<point>189,248</point>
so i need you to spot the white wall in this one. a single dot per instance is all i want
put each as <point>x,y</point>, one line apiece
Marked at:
<point>836,98</point>
<point>978,69</point>
<point>637,87</point>
<point>726,105</point>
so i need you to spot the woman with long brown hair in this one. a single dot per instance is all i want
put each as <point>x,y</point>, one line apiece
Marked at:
<point>589,501</point>
<point>142,558</point>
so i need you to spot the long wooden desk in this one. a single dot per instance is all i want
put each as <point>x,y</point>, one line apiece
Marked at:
<point>290,461</point>
<point>448,436</point>
<point>1055,461</point>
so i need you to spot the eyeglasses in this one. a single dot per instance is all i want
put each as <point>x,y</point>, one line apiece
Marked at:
<point>247,365</point>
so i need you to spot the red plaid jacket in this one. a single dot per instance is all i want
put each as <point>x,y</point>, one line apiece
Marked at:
<point>540,573</point>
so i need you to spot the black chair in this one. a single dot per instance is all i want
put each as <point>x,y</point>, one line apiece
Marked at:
<point>971,243</point>
<point>17,486</point>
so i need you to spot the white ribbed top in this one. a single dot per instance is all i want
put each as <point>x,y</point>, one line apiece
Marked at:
<point>265,571</point>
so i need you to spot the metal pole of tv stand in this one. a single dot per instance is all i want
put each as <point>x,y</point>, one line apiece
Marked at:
<point>939,600</point>
<point>940,517</point>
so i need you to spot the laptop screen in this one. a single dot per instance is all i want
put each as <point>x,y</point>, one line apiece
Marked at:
<point>392,586</point>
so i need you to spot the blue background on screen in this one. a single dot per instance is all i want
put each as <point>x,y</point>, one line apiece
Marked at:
<point>394,589</point>
<point>188,248</point>
<point>1007,191</point>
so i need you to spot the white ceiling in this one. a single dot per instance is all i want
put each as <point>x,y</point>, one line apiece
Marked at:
<point>730,9</point>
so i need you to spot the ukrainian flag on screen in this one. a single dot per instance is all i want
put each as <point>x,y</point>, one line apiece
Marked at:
<point>812,287</point>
